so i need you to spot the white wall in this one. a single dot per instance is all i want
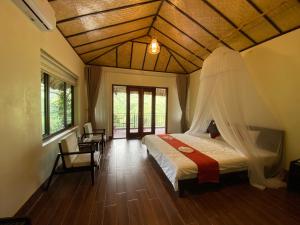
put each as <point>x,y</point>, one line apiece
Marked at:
<point>112,76</point>
<point>24,163</point>
<point>275,69</point>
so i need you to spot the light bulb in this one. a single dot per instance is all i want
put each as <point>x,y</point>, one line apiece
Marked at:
<point>154,47</point>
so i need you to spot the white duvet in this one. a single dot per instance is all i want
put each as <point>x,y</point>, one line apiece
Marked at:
<point>177,166</point>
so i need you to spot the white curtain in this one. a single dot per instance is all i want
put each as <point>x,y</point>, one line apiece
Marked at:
<point>227,96</point>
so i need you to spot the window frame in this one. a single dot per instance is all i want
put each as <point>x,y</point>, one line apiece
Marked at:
<point>46,135</point>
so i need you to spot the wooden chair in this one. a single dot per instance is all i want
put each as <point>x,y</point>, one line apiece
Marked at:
<point>97,135</point>
<point>74,160</point>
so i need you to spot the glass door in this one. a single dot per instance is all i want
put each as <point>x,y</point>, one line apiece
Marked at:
<point>148,98</point>
<point>140,111</point>
<point>133,112</point>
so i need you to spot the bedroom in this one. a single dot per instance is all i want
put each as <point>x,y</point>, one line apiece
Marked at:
<point>111,38</point>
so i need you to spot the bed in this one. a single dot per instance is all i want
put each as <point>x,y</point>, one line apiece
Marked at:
<point>177,167</point>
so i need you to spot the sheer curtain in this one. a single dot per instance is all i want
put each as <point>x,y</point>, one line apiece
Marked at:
<point>93,79</point>
<point>225,90</point>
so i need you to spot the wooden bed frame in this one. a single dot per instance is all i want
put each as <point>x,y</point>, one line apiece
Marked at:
<point>188,184</point>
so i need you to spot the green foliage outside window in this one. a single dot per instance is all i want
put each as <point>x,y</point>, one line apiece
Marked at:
<point>56,105</point>
<point>120,100</point>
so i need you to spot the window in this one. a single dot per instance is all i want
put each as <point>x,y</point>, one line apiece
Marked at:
<point>57,105</point>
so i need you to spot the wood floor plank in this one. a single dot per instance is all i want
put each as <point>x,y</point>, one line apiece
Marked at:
<point>110,215</point>
<point>135,213</point>
<point>146,208</point>
<point>160,214</point>
<point>122,209</point>
<point>130,190</point>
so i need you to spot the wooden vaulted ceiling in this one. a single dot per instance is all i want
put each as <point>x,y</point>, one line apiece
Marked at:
<point>116,33</point>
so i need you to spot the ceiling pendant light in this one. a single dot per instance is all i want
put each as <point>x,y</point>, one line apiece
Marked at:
<point>154,47</point>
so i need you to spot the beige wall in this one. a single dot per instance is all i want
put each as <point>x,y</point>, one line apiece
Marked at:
<point>24,164</point>
<point>275,69</point>
<point>139,78</point>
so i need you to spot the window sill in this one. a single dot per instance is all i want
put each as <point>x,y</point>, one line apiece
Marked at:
<point>59,136</point>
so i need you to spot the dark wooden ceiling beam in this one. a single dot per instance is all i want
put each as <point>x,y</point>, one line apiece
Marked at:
<point>109,26</point>
<point>134,69</point>
<point>117,35</point>
<point>96,49</point>
<point>157,58</point>
<point>105,11</point>
<point>168,62</point>
<point>195,70</point>
<point>162,45</point>
<point>199,57</point>
<point>181,31</point>
<point>145,56</point>
<point>156,14</point>
<point>228,20</point>
<point>117,52</point>
<point>196,22</point>
<point>274,25</point>
<point>170,52</point>
<point>97,57</point>
<point>131,52</point>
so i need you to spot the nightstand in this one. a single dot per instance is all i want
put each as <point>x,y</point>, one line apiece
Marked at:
<point>294,176</point>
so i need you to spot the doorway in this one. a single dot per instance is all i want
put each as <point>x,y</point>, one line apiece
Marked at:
<point>138,111</point>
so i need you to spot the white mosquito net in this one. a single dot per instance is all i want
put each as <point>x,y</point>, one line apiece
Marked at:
<point>228,97</point>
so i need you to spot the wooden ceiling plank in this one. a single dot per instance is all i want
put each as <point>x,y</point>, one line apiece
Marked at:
<point>97,57</point>
<point>156,60</point>
<point>177,61</point>
<point>105,11</point>
<point>199,24</point>
<point>195,70</point>
<point>189,67</point>
<point>163,45</point>
<point>110,45</point>
<point>199,57</point>
<point>168,62</point>
<point>109,26</point>
<point>117,56</point>
<point>141,42</point>
<point>145,56</point>
<point>228,20</point>
<point>131,55</point>
<point>181,56</point>
<point>156,14</point>
<point>274,25</point>
<point>137,56</point>
<point>107,46</point>
<point>117,35</point>
<point>171,24</point>
<point>92,64</point>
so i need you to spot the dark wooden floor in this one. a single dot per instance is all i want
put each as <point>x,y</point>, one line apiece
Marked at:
<point>129,190</point>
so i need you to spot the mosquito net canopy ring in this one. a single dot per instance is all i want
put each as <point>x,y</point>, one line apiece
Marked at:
<point>228,96</point>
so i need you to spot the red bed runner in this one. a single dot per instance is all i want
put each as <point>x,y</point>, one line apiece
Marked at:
<point>208,168</point>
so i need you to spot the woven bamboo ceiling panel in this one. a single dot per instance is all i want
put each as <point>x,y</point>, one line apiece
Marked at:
<point>116,33</point>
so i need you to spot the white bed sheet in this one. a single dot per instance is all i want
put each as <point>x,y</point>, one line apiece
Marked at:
<point>176,166</point>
